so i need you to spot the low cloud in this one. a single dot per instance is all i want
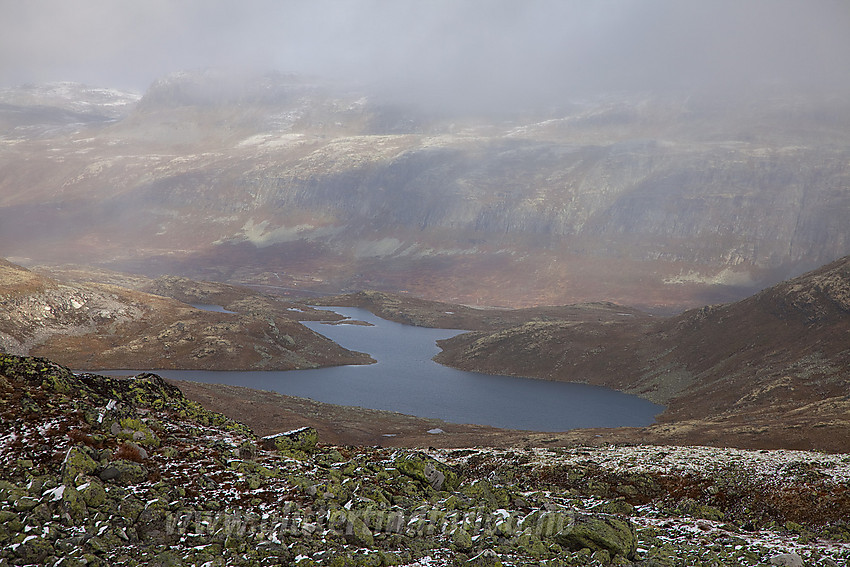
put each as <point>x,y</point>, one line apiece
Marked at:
<point>468,52</point>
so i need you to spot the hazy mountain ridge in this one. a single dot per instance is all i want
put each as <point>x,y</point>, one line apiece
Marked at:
<point>54,108</point>
<point>642,200</point>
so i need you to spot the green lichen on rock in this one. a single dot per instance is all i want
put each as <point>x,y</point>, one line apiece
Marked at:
<point>298,442</point>
<point>25,503</point>
<point>462,540</point>
<point>34,549</point>
<point>599,532</point>
<point>696,509</point>
<point>531,545</point>
<point>618,507</point>
<point>137,431</point>
<point>77,462</point>
<point>428,471</point>
<point>93,493</point>
<point>9,491</point>
<point>486,558</point>
<point>10,525</point>
<point>188,409</point>
<point>358,533</point>
<point>74,502</point>
<point>124,472</point>
<point>483,492</point>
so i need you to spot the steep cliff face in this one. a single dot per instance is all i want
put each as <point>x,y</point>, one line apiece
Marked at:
<point>640,200</point>
<point>715,205</point>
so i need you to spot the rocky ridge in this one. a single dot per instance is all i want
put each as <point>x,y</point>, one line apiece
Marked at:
<point>59,108</point>
<point>107,471</point>
<point>91,325</point>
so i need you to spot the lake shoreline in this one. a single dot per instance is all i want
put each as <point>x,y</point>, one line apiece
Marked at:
<point>406,379</point>
<point>269,412</point>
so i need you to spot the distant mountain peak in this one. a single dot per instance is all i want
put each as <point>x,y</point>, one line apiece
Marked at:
<point>70,96</point>
<point>220,86</point>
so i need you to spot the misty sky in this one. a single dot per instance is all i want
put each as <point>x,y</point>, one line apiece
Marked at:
<point>442,49</point>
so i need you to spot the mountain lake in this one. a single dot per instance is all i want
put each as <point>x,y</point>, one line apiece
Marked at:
<point>406,380</point>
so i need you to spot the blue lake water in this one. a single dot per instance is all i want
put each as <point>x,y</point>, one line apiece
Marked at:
<point>211,307</point>
<point>406,380</point>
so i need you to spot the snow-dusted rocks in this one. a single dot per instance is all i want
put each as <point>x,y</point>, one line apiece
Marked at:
<point>212,493</point>
<point>301,440</point>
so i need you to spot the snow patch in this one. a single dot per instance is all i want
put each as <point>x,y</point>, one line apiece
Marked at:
<point>56,493</point>
<point>267,141</point>
<point>727,276</point>
<point>286,433</point>
<point>261,236</point>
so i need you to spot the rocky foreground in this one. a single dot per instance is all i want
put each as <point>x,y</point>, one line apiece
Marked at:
<point>104,471</point>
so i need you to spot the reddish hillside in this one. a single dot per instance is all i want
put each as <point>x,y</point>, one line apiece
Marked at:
<point>779,360</point>
<point>786,346</point>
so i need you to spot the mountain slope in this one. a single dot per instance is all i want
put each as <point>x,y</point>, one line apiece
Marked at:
<point>781,351</point>
<point>95,326</point>
<point>784,347</point>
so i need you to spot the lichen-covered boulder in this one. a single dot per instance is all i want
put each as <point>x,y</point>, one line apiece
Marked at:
<point>303,439</point>
<point>93,493</point>
<point>137,431</point>
<point>10,525</point>
<point>358,533</point>
<point>487,558</point>
<point>695,509</point>
<point>530,544</point>
<point>483,493</point>
<point>130,508</point>
<point>618,507</point>
<point>9,491</point>
<point>599,532</point>
<point>461,539</point>
<point>25,503</point>
<point>428,471</point>
<point>74,502</point>
<point>124,472</point>
<point>33,549</point>
<point>77,462</point>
